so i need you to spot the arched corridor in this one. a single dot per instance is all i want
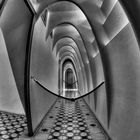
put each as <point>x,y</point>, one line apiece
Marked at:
<point>69,70</point>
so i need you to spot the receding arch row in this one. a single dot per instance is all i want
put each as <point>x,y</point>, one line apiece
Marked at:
<point>68,67</point>
<point>61,33</point>
<point>120,56</point>
<point>76,49</point>
<point>107,58</point>
<point>78,69</point>
<point>88,36</point>
<point>77,63</point>
<point>67,40</point>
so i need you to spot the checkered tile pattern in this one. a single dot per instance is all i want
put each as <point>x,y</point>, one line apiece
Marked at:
<point>12,126</point>
<point>66,120</point>
<point>72,124</point>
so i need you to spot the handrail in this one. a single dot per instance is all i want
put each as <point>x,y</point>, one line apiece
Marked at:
<point>90,91</point>
<point>48,89</point>
<point>71,99</point>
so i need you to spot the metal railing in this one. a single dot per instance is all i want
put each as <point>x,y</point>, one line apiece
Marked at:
<point>71,99</point>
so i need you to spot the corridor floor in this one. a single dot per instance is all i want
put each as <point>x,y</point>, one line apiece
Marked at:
<point>66,120</point>
<point>69,120</point>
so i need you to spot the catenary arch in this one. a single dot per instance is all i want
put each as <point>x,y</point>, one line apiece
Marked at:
<point>78,69</point>
<point>78,65</point>
<point>99,22</point>
<point>68,40</point>
<point>63,50</point>
<point>80,58</point>
<point>69,66</point>
<point>89,36</point>
<point>60,33</point>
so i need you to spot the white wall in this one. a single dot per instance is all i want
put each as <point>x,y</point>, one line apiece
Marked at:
<point>9,97</point>
<point>44,64</point>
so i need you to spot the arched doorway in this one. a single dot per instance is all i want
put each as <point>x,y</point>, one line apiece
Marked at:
<point>70,83</point>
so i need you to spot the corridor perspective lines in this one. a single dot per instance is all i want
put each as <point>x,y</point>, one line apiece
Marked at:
<point>66,120</point>
<point>69,120</point>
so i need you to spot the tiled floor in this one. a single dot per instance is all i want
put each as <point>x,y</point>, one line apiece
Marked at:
<point>67,120</point>
<point>70,123</point>
<point>12,126</point>
<point>70,120</point>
